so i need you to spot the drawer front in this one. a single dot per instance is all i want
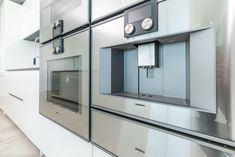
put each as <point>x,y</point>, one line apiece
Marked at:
<point>127,138</point>
<point>15,108</point>
<point>22,84</point>
<point>21,95</point>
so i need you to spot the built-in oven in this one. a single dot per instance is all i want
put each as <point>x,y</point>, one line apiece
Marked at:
<point>64,82</point>
<point>167,66</point>
<point>61,16</point>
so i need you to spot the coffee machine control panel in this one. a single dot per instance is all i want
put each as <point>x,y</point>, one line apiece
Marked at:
<point>141,19</point>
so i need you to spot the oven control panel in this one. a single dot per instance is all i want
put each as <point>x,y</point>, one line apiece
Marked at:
<point>58,28</point>
<point>58,46</point>
<point>141,19</point>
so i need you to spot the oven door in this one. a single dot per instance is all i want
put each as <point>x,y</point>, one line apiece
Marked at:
<point>61,16</point>
<point>64,82</point>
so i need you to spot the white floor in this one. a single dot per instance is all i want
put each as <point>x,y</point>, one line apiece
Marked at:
<point>13,143</point>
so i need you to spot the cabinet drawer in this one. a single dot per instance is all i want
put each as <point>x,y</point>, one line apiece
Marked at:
<point>125,138</point>
<point>23,84</point>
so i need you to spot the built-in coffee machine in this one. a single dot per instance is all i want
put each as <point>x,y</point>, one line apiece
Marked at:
<point>163,68</point>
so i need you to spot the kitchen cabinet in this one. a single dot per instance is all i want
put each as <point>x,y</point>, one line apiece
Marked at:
<point>15,24</point>
<point>21,80</point>
<point>19,84</point>
<point>30,18</point>
<point>52,139</point>
<point>19,93</point>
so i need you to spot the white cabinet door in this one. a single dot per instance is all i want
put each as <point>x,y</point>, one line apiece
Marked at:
<point>16,52</point>
<point>50,138</point>
<point>18,95</point>
<point>30,21</point>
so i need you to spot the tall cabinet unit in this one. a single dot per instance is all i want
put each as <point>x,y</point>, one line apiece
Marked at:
<point>16,52</point>
<point>18,96</point>
<point>19,82</point>
<point>30,20</point>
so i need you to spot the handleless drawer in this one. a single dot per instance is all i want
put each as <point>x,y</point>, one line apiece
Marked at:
<point>126,138</point>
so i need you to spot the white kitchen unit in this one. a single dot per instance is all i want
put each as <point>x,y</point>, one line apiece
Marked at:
<point>52,139</point>
<point>30,15</point>
<point>19,84</point>
<point>17,53</point>
<point>121,124</point>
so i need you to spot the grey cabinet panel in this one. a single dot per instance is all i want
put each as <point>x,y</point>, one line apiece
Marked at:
<point>203,73</point>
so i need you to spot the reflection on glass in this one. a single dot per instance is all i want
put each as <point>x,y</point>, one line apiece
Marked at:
<point>64,83</point>
<point>63,7</point>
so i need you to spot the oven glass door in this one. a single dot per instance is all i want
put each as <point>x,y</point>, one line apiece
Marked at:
<point>64,83</point>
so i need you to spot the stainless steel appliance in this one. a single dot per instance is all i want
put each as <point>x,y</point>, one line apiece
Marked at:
<point>103,8</point>
<point>165,63</point>
<point>127,138</point>
<point>64,82</point>
<point>61,16</point>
